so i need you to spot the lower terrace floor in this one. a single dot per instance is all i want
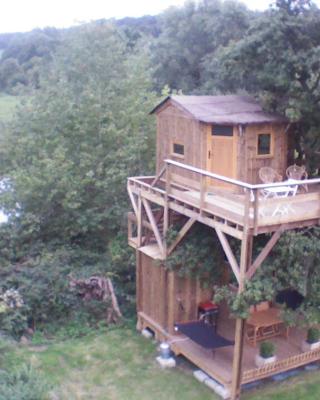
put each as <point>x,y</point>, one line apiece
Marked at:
<point>218,363</point>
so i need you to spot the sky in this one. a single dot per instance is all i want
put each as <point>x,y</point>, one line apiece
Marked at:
<point>25,15</point>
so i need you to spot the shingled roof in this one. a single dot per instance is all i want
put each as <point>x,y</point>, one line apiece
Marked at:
<point>230,109</point>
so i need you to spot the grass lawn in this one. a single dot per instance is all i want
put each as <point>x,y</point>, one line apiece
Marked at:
<point>7,106</point>
<point>120,365</point>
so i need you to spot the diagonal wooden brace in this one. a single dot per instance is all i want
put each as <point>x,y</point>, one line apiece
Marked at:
<point>153,224</point>
<point>229,254</point>
<point>264,253</point>
<point>183,231</point>
<point>133,200</point>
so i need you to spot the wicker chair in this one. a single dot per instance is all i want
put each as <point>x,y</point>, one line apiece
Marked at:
<point>269,175</point>
<point>295,172</point>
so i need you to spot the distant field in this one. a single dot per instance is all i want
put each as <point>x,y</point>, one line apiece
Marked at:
<point>7,106</point>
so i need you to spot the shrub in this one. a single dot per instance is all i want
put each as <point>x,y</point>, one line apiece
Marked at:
<point>13,319</point>
<point>23,384</point>
<point>267,349</point>
<point>43,284</point>
<point>313,335</point>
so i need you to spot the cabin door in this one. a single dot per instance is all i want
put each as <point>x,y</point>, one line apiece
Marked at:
<point>222,154</point>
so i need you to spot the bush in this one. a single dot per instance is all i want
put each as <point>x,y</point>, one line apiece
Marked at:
<point>43,284</point>
<point>23,384</point>
<point>313,335</point>
<point>267,349</point>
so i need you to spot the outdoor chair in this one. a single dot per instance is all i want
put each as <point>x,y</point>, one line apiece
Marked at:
<point>269,175</point>
<point>297,173</point>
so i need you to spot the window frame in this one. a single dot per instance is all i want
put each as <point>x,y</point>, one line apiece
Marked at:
<point>222,127</point>
<point>271,152</point>
<point>179,143</point>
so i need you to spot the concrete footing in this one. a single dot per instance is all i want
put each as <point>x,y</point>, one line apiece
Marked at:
<point>147,333</point>
<point>219,389</point>
<point>166,362</point>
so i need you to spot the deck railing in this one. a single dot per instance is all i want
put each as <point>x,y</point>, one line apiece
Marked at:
<point>281,366</point>
<point>254,204</point>
<point>244,206</point>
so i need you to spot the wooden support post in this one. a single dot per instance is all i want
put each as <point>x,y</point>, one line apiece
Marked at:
<point>240,323</point>
<point>139,221</point>
<point>138,281</point>
<point>171,301</point>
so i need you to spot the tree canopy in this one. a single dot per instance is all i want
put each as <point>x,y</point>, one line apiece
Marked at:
<point>278,61</point>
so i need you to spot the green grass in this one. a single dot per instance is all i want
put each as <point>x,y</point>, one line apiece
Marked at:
<point>7,106</point>
<point>119,364</point>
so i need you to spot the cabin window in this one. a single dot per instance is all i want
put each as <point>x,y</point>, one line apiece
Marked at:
<point>222,130</point>
<point>178,149</point>
<point>264,144</point>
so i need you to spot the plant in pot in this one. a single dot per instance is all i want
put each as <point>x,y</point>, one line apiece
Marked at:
<point>266,354</point>
<point>313,340</point>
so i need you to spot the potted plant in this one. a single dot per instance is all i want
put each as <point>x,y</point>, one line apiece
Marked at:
<point>313,340</point>
<point>266,354</point>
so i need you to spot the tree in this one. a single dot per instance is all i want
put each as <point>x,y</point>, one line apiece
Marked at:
<point>278,60</point>
<point>191,35</point>
<point>72,147</point>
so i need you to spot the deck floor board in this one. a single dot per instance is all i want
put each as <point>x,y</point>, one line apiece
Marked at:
<point>218,364</point>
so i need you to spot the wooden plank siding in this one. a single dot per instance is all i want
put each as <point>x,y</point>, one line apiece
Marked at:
<point>249,162</point>
<point>166,298</point>
<point>176,126</point>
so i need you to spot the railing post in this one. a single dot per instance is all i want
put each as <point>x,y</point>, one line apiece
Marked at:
<point>168,178</point>
<point>202,193</point>
<point>139,221</point>
<point>247,206</point>
<point>166,209</point>
<point>255,210</point>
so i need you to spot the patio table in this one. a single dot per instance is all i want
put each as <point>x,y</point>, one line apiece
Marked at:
<point>265,324</point>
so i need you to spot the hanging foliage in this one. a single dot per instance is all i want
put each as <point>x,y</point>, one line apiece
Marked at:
<point>293,265</point>
<point>199,255</point>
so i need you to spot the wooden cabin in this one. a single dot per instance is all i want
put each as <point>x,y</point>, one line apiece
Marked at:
<point>209,153</point>
<point>227,135</point>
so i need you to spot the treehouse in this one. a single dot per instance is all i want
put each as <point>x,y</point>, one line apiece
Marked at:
<point>225,163</point>
<point>227,135</point>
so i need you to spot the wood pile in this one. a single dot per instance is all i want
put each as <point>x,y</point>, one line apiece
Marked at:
<point>100,289</point>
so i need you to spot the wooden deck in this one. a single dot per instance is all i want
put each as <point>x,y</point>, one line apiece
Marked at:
<point>229,211</point>
<point>271,212</point>
<point>218,364</point>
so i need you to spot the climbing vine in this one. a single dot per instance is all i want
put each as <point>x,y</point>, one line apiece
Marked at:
<point>293,265</point>
<point>199,255</point>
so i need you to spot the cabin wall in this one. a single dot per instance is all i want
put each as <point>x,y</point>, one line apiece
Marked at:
<point>247,160</point>
<point>167,299</point>
<point>175,125</point>
<point>152,290</point>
